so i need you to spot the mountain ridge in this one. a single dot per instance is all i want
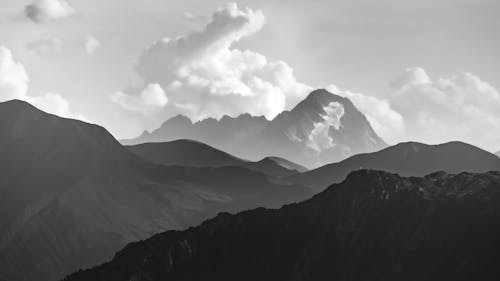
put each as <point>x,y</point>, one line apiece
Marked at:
<point>71,195</point>
<point>406,159</point>
<point>323,128</point>
<point>191,153</point>
<point>374,225</point>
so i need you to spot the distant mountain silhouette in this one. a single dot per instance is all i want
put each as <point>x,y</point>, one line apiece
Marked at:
<point>196,154</point>
<point>498,153</point>
<point>323,128</point>
<point>373,226</point>
<point>71,195</point>
<point>406,159</point>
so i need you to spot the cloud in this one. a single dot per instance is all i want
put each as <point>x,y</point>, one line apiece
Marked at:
<point>14,84</point>
<point>319,138</point>
<point>91,45</point>
<point>41,11</point>
<point>461,107</point>
<point>387,122</point>
<point>45,46</point>
<point>13,77</point>
<point>151,99</point>
<point>188,16</point>
<point>205,76</point>
<point>419,108</point>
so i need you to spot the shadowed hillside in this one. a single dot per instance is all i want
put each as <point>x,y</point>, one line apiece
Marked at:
<point>71,195</point>
<point>373,226</point>
<point>407,159</point>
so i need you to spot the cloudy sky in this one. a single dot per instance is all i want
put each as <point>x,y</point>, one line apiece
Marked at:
<point>423,70</point>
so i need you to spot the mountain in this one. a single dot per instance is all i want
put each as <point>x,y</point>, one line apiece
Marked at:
<point>373,226</point>
<point>498,153</point>
<point>321,129</point>
<point>196,154</point>
<point>407,159</point>
<point>71,195</point>
<point>287,164</point>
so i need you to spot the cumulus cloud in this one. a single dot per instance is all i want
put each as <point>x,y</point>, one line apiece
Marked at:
<point>419,108</point>
<point>205,76</point>
<point>151,99</point>
<point>461,107</point>
<point>387,122</point>
<point>14,84</point>
<point>91,45</point>
<point>45,46</point>
<point>41,11</point>
<point>319,138</point>
<point>13,77</point>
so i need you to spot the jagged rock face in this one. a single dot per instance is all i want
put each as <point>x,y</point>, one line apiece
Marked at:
<point>323,128</point>
<point>373,226</point>
<point>71,195</point>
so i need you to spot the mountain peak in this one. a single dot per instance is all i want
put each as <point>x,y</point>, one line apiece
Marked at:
<point>318,99</point>
<point>321,129</point>
<point>19,106</point>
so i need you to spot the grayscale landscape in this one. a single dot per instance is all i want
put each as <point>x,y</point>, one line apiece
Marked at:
<point>258,140</point>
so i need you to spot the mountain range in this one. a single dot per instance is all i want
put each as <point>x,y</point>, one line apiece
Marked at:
<point>406,159</point>
<point>71,195</point>
<point>498,153</point>
<point>372,226</point>
<point>191,153</point>
<point>322,129</point>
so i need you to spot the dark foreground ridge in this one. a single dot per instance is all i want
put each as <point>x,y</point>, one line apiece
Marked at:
<point>373,226</point>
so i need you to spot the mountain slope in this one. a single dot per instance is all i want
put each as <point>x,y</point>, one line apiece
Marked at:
<point>287,164</point>
<point>407,159</point>
<point>71,195</point>
<point>498,154</point>
<point>196,154</point>
<point>373,226</point>
<point>323,128</point>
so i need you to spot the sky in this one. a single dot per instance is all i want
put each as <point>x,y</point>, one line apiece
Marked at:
<point>419,70</point>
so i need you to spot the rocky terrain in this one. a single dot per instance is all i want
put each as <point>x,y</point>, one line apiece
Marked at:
<point>321,129</point>
<point>372,226</point>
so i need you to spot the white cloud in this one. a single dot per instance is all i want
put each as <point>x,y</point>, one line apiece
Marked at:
<point>45,46</point>
<point>14,84</point>
<point>204,76</point>
<point>91,45</point>
<point>151,99</point>
<point>387,123</point>
<point>319,138</point>
<point>13,77</point>
<point>41,11</point>
<point>461,107</point>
